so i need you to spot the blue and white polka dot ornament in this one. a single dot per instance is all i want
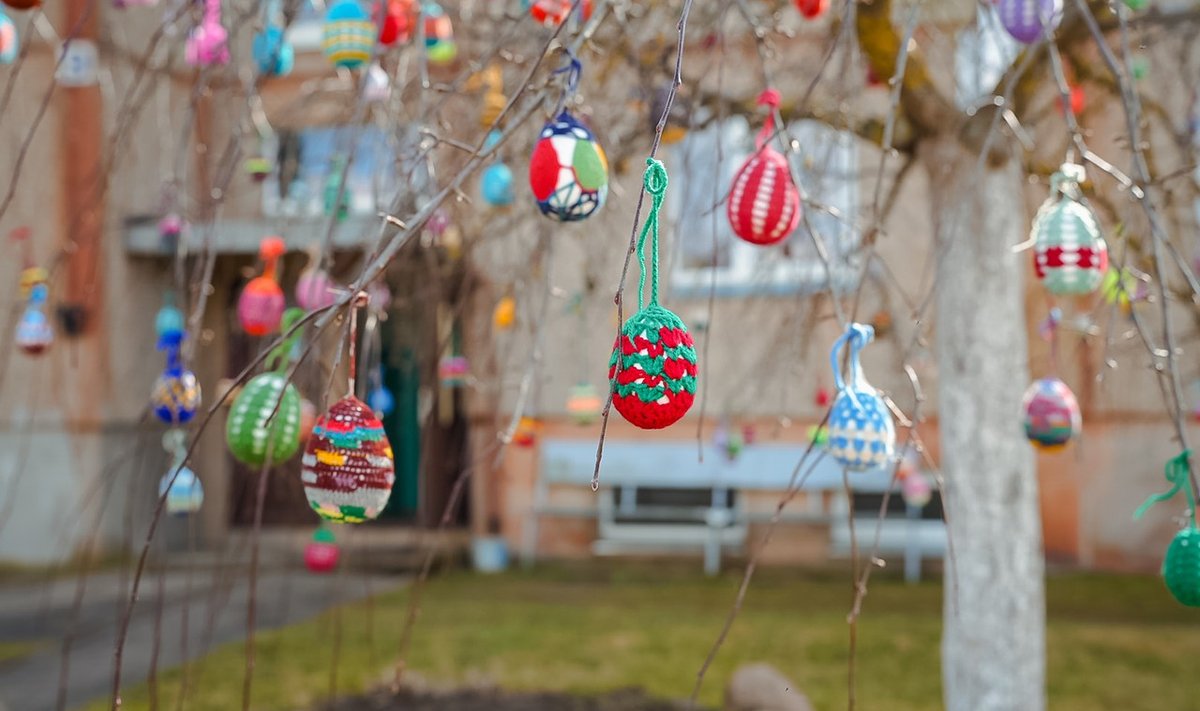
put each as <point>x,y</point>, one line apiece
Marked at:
<point>861,433</point>
<point>180,484</point>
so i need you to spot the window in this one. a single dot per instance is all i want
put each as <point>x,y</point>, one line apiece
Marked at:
<point>983,53</point>
<point>309,164</point>
<point>826,162</point>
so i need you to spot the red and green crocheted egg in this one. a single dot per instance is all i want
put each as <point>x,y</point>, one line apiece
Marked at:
<point>653,369</point>
<point>1052,417</point>
<point>764,204</point>
<point>1181,567</point>
<point>348,468</point>
<point>568,171</point>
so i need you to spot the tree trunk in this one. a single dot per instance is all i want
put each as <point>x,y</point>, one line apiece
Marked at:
<point>993,642</point>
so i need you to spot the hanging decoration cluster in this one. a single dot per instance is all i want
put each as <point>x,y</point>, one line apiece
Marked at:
<point>861,432</point>
<point>264,420</point>
<point>653,370</point>
<point>569,170</point>
<point>208,43</point>
<point>1181,564</point>
<point>348,468</point>
<point>176,395</point>
<point>1030,20</point>
<point>764,203</point>
<point>1070,256</point>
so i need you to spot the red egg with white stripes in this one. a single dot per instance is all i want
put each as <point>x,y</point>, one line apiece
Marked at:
<point>764,203</point>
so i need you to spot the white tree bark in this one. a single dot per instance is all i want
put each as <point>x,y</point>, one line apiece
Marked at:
<point>993,642</point>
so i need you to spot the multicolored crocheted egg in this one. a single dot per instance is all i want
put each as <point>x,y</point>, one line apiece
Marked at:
<point>399,19</point>
<point>440,47</point>
<point>1181,567</point>
<point>348,468</point>
<point>9,44</point>
<point>349,34</point>
<point>34,332</point>
<point>251,429</point>
<point>1069,255</point>
<point>184,493</point>
<point>812,9</point>
<point>568,171</point>
<point>551,13</point>
<point>584,404</point>
<point>1052,417</point>
<point>273,54</point>
<point>764,203</point>
<point>261,304</point>
<point>653,369</point>
<point>453,371</point>
<point>321,554</point>
<point>861,432</point>
<point>1030,20</point>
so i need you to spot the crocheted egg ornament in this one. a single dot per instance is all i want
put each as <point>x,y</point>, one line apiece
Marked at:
<point>1181,567</point>
<point>260,306</point>
<point>568,171</point>
<point>349,34</point>
<point>273,54</point>
<point>1069,255</point>
<point>399,18</point>
<point>321,554</point>
<point>208,42</point>
<point>348,470</point>
<point>176,394</point>
<point>551,13</point>
<point>34,332</point>
<point>9,44</point>
<point>440,47</point>
<point>315,290</point>
<point>653,369</point>
<point>250,428</point>
<point>861,433</point>
<point>1052,417</point>
<point>496,185</point>
<point>812,9</point>
<point>184,494</point>
<point>764,204</point>
<point>1030,20</point>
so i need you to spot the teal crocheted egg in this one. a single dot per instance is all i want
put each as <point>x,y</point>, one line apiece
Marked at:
<point>1181,567</point>
<point>248,431</point>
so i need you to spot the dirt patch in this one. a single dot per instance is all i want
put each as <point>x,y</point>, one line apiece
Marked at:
<point>496,700</point>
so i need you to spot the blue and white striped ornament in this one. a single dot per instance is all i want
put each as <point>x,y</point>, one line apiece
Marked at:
<point>1030,20</point>
<point>861,433</point>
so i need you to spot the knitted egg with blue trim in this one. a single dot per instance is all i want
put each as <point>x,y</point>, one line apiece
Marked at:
<point>1052,417</point>
<point>9,44</point>
<point>653,369</point>
<point>861,434</point>
<point>348,467</point>
<point>568,171</point>
<point>1030,20</point>
<point>349,34</point>
<point>265,414</point>
<point>1069,255</point>
<point>1181,567</point>
<point>273,54</point>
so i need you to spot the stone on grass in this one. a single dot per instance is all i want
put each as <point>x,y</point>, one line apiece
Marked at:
<point>761,687</point>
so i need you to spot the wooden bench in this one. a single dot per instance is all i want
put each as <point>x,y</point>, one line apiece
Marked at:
<point>659,497</point>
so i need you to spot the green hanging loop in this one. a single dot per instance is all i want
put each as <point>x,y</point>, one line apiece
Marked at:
<point>278,359</point>
<point>655,180</point>
<point>1177,474</point>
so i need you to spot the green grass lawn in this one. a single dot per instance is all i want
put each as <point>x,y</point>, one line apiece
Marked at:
<point>1114,642</point>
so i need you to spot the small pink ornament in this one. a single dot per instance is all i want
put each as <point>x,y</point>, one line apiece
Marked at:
<point>208,42</point>
<point>321,554</point>
<point>170,226</point>
<point>314,289</point>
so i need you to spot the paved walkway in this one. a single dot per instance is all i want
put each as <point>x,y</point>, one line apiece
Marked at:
<point>214,601</point>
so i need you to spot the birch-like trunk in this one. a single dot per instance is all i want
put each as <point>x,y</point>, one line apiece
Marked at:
<point>993,642</point>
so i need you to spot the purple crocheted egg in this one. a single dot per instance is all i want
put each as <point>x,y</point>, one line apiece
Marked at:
<point>1030,20</point>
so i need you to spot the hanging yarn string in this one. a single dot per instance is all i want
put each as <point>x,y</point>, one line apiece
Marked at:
<point>568,171</point>
<point>348,467</point>
<point>1181,564</point>
<point>764,203</point>
<point>653,370</point>
<point>861,432</point>
<point>1070,256</point>
<point>208,43</point>
<point>264,419</point>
